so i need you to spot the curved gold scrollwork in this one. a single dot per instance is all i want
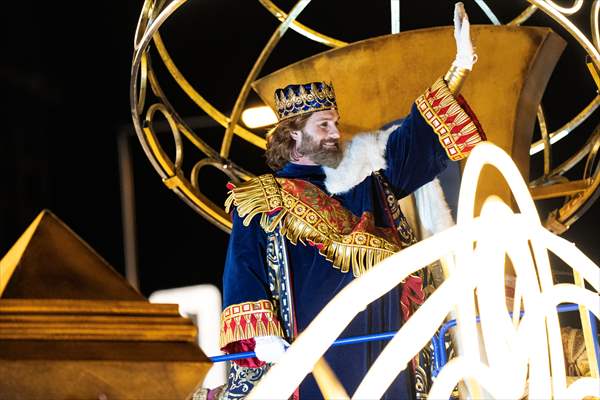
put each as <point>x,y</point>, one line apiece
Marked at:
<point>163,159</point>
<point>590,164</point>
<point>262,58</point>
<point>566,10</point>
<point>580,201</point>
<point>585,191</point>
<point>594,15</point>
<point>524,16</point>
<point>143,81</point>
<point>579,194</point>
<point>215,164</point>
<point>142,23</point>
<point>153,15</point>
<point>201,101</point>
<point>302,29</point>
<point>545,139</point>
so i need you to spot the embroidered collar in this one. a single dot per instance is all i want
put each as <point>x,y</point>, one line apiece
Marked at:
<point>305,213</point>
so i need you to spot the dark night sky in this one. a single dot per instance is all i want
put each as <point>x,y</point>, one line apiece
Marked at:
<point>65,80</point>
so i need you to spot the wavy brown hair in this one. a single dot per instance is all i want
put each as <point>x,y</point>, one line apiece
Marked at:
<point>280,145</point>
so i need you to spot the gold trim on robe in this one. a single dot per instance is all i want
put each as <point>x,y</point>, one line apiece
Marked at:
<point>458,131</point>
<point>248,320</point>
<point>308,215</point>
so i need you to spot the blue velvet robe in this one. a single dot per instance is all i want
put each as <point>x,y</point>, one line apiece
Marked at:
<point>414,157</point>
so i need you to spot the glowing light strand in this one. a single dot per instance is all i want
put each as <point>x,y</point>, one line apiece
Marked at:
<point>512,350</point>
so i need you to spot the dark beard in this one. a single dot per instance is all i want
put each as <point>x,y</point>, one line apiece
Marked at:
<point>318,153</point>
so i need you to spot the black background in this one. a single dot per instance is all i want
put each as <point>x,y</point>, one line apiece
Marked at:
<point>65,73</point>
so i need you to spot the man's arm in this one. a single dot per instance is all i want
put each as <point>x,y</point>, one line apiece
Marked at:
<point>440,126</point>
<point>249,313</point>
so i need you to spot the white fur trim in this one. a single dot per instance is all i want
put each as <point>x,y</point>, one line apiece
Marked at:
<point>363,155</point>
<point>433,210</point>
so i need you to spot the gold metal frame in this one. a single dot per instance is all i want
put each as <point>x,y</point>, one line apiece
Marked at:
<point>551,184</point>
<point>155,12</point>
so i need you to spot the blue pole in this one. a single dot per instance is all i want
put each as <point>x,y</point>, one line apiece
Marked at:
<point>594,326</point>
<point>436,353</point>
<point>452,323</point>
<point>438,342</point>
<point>340,342</point>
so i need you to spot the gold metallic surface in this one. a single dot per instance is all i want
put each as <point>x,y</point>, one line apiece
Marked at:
<point>571,211</point>
<point>181,125</point>
<point>260,61</point>
<point>374,57</point>
<point>594,16</point>
<point>595,73</point>
<point>588,334</point>
<point>328,383</point>
<point>86,307</point>
<point>559,189</point>
<point>577,205</point>
<point>579,36</point>
<point>51,327</point>
<point>156,146</point>
<point>525,67</point>
<point>508,123</point>
<point>558,13</point>
<point>569,126</point>
<point>235,178</point>
<point>200,101</point>
<point>206,207</point>
<point>570,27</point>
<point>591,164</point>
<point>566,10</point>
<point>557,173</point>
<point>154,13</point>
<point>144,38</point>
<point>49,261</point>
<point>67,316</point>
<point>305,31</point>
<point>546,139</point>
<point>142,23</point>
<point>172,182</point>
<point>11,260</point>
<point>143,76</point>
<point>173,176</point>
<point>106,378</point>
<point>524,16</point>
<point>455,78</point>
<point>554,11</point>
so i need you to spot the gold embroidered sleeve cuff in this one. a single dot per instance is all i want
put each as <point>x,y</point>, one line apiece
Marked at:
<point>247,320</point>
<point>451,119</point>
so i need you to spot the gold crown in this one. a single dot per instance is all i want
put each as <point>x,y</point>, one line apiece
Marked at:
<point>297,99</point>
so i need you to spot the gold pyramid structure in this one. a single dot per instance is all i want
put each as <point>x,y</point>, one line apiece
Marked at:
<point>72,327</point>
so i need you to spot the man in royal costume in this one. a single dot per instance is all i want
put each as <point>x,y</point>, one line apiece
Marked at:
<point>326,216</point>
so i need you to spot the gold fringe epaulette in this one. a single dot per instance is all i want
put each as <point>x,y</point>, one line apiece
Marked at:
<point>343,243</point>
<point>345,240</point>
<point>260,195</point>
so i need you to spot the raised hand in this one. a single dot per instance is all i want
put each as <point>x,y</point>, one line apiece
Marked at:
<point>270,348</point>
<point>465,52</point>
